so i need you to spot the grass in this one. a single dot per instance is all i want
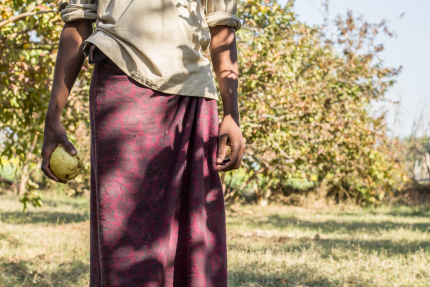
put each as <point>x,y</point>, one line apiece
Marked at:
<point>271,246</point>
<point>288,246</point>
<point>45,247</point>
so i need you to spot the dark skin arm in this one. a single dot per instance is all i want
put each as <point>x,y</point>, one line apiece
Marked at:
<point>69,63</point>
<point>223,52</point>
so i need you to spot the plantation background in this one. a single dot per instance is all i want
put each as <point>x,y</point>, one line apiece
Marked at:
<point>306,103</point>
<point>326,195</point>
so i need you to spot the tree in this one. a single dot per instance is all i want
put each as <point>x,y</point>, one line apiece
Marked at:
<point>305,101</point>
<point>30,31</point>
<point>305,105</point>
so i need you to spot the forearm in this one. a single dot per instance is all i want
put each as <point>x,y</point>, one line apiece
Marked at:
<point>68,65</point>
<point>223,52</point>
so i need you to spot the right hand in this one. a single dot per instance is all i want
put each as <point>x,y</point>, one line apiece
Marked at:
<point>54,135</point>
<point>230,135</point>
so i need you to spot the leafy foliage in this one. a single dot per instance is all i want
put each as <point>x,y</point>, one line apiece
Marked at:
<point>305,105</point>
<point>305,101</point>
<point>30,31</point>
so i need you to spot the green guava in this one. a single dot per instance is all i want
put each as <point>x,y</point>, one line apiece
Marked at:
<point>64,165</point>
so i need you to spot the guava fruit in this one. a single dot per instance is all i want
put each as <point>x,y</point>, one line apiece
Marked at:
<point>64,165</point>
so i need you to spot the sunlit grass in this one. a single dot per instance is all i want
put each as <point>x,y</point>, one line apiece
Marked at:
<point>271,246</point>
<point>45,247</point>
<point>287,246</point>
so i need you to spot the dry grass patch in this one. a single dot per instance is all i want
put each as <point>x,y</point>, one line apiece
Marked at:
<point>288,246</point>
<point>45,247</point>
<point>271,246</point>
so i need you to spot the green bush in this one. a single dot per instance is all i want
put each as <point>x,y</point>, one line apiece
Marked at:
<point>304,102</point>
<point>305,106</point>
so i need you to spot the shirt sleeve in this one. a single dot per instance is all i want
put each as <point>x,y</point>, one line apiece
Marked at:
<point>222,12</point>
<point>78,9</point>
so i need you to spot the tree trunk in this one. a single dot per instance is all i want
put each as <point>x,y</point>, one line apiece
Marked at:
<point>23,180</point>
<point>427,159</point>
<point>25,173</point>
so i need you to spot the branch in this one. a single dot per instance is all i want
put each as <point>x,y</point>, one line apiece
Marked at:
<point>24,15</point>
<point>20,32</point>
<point>274,117</point>
<point>289,158</point>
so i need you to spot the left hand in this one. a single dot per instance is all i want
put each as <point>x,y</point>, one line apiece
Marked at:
<point>230,135</point>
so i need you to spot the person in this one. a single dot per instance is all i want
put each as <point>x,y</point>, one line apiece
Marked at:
<point>157,208</point>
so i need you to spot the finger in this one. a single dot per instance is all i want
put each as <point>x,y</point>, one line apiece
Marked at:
<point>47,171</point>
<point>46,155</point>
<point>68,146</point>
<point>242,151</point>
<point>235,158</point>
<point>222,141</point>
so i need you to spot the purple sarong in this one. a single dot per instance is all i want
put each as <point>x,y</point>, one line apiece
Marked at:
<point>157,206</point>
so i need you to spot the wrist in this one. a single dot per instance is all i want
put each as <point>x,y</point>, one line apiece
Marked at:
<point>232,117</point>
<point>230,105</point>
<point>234,113</point>
<point>231,108</point>
<point>52,118</point>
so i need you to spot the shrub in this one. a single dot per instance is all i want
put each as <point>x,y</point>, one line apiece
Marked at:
<point>305,105</point>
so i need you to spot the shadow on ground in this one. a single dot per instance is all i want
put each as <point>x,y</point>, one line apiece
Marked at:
<point>333,248</point>
<point>354,241</point>
<point>297,275</point>
<point>387,247</point>
<point>332,226</point>
<point>38,217</point>
<point>395,212</point>
<point>75,204</point>
<point>23,273</point>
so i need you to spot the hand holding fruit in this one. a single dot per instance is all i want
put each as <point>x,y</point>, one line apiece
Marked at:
<point>56,147</point>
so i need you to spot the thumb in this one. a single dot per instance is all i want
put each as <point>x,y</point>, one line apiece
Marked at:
<point>68,146</point>
<point>222,143</point>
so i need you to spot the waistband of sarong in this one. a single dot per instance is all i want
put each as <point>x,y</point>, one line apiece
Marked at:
<point>95,55</point>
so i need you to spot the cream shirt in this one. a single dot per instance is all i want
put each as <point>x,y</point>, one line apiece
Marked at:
<point>158,43</point>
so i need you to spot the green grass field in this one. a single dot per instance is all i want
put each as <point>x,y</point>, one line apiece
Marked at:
<point>271,246</point>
